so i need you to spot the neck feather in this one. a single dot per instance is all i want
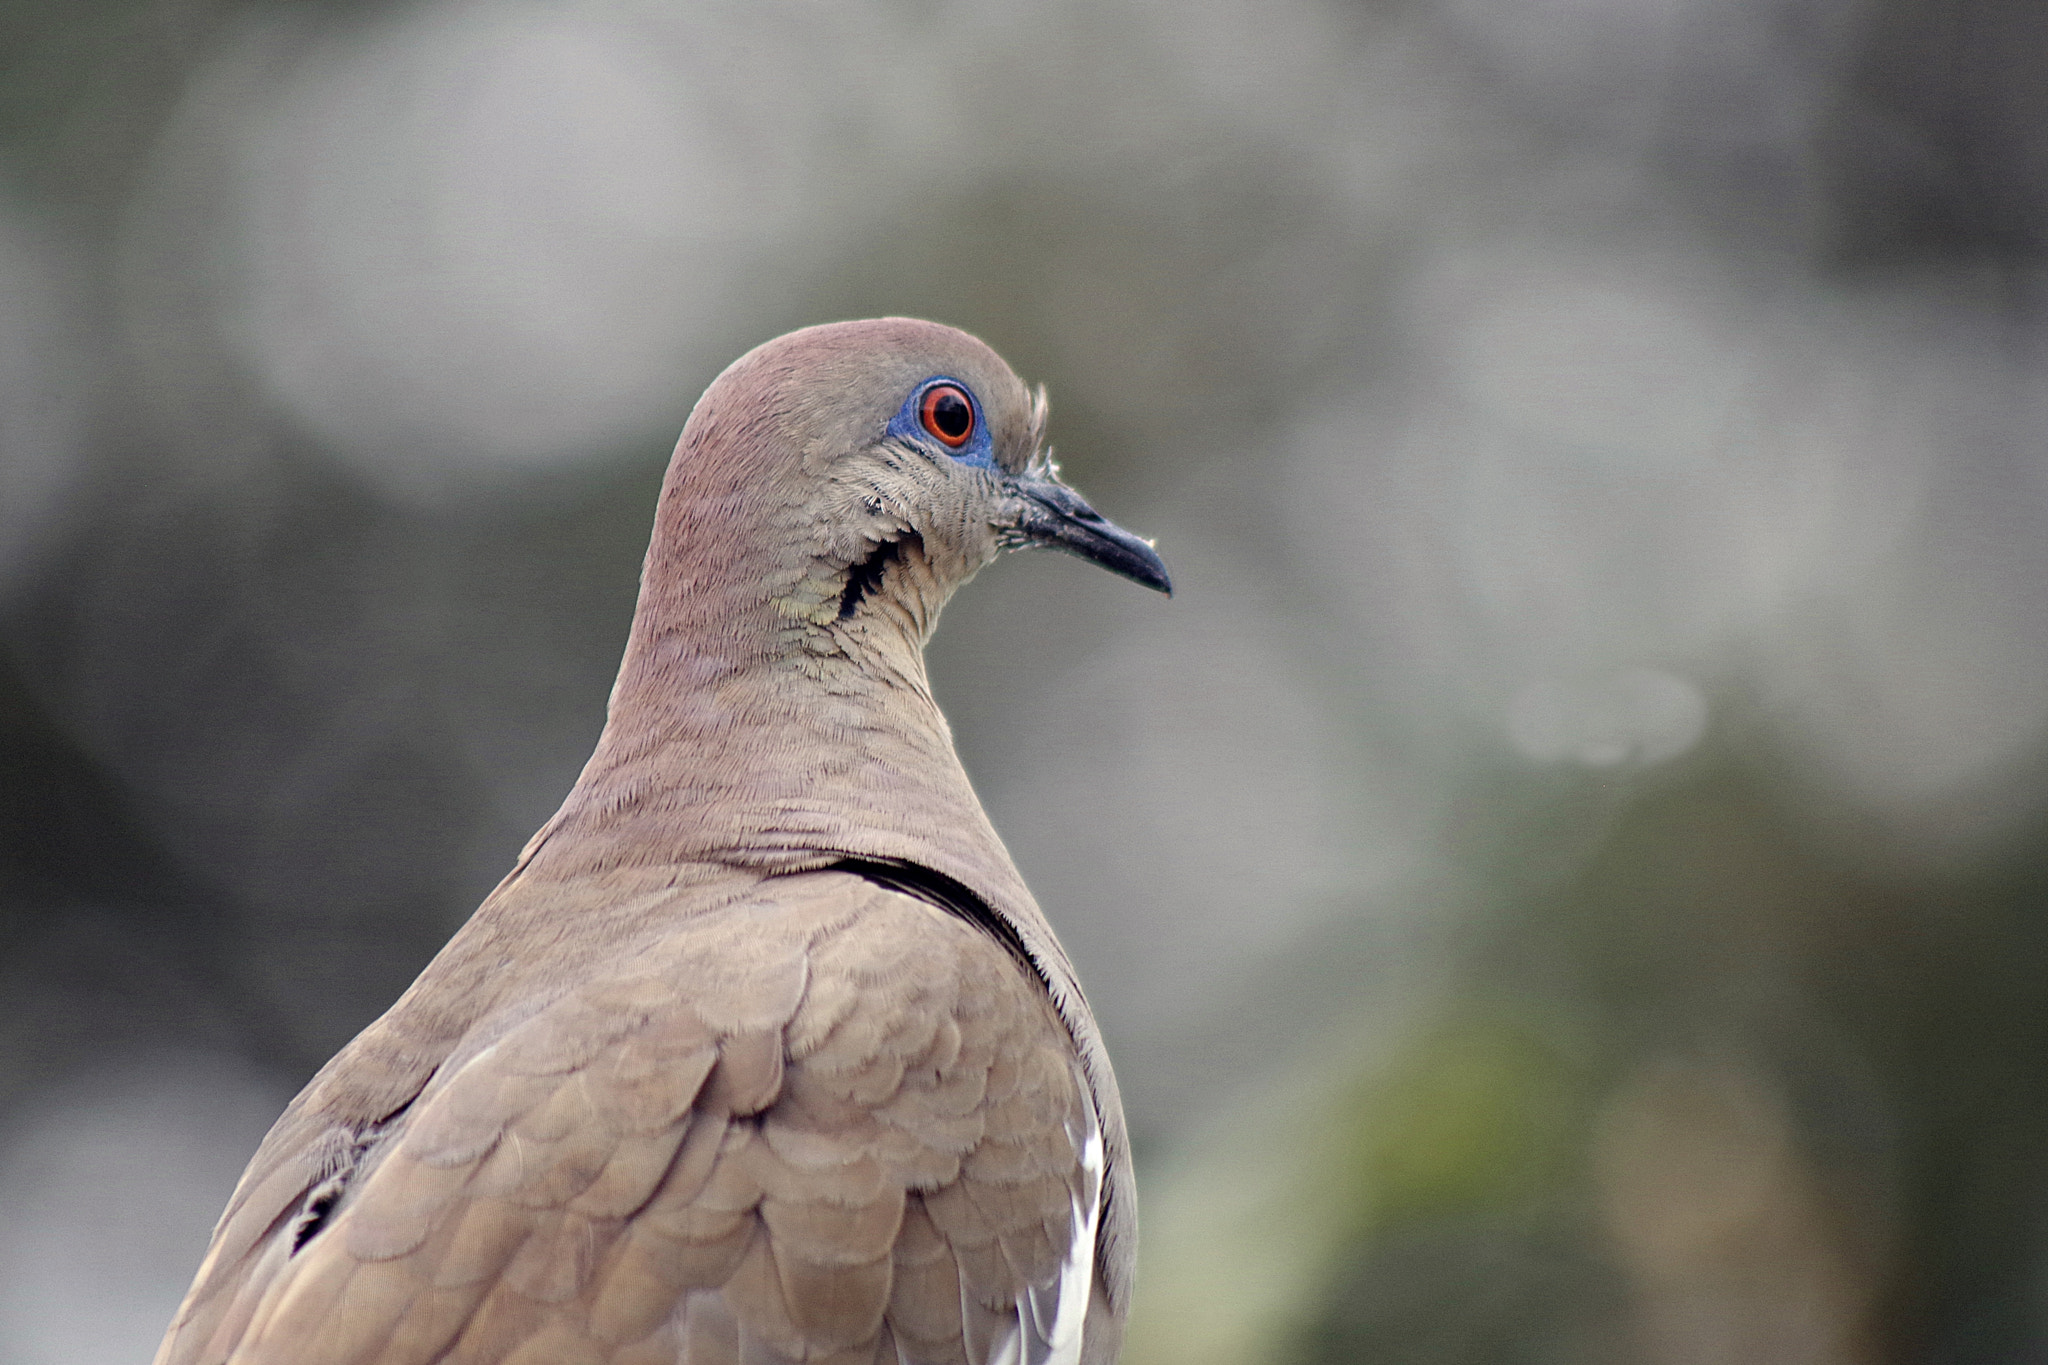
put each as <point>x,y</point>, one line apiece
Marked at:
<point>754,726</point>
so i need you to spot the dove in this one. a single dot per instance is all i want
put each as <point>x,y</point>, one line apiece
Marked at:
<point>762,1051</point>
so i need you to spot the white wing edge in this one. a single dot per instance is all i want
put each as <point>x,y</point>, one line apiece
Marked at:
<point>1050,1316</point>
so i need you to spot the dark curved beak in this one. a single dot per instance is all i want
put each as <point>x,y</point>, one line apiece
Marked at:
<point>1055,515</point>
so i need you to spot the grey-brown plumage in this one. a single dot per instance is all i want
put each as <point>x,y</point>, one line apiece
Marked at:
<point>763,1051</point>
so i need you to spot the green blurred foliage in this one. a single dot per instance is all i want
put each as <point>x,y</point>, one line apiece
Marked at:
<point>1481,1115</point>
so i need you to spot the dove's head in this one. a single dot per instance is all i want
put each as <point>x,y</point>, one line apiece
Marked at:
<point>836,484</point>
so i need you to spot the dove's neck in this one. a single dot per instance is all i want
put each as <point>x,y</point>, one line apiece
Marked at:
<point>751,727</point>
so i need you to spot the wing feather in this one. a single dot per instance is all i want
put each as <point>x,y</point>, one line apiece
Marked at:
<point>832,1123</point>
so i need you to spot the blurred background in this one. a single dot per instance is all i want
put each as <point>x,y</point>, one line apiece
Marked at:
<point>1566,878</point>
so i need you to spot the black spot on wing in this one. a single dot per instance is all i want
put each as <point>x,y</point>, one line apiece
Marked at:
<point>319,1205</point>
<point>322,1200</point>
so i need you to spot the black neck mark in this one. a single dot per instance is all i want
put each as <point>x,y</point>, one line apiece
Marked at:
<point>864,577</point>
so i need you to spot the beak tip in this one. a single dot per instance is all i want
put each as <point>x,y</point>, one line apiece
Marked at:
<point>1060,518</point>
<point>1138,562</point>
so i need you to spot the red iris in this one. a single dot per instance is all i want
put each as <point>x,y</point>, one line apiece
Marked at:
<point>947,413</point>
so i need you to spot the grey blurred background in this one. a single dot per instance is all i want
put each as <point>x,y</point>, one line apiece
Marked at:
<point>1566,880</point>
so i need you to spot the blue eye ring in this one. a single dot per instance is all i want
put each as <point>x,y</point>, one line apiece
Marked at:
<point>942,414</point>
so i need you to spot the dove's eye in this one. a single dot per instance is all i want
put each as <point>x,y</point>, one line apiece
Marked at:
<point>942,416</point>
<point>946,413</point>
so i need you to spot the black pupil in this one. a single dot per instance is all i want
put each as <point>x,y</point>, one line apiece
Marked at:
<point>951,417</point>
